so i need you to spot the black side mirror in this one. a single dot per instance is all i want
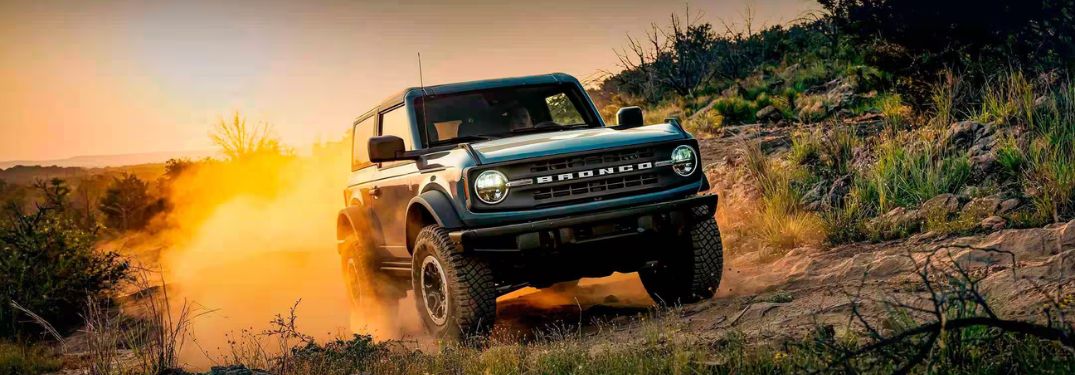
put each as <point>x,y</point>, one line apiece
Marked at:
<point>629,117</point>
<point>386,148</point>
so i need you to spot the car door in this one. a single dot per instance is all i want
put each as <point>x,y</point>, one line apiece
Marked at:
<point>396,184</point>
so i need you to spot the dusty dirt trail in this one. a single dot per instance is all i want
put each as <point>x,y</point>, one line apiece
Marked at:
<point>791,296</point>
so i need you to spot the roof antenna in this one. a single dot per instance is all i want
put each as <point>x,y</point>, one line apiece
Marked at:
<point>421,80</point>
<point>422,84</point>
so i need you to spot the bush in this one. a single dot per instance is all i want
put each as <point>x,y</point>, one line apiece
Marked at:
<point>735,109</point>
<point>49,266</point>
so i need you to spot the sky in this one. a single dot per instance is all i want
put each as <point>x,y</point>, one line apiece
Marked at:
<point>116,77</point>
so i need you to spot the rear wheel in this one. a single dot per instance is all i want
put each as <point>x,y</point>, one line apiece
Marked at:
<point>374,297</point>
<point>691,272</point>
<point>454,293</point>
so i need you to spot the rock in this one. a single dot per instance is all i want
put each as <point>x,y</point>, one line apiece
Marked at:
<point>769,113</point>
<point>611,299</point>
<point>1007,206</point>
<point>1067,235</point>
<point>993,223</point>
<point>984,206</point>
<point>235,370</point>
<point>811,200</point>
<point>967,134</point>
<point>837,191</point>
<point>983,164</point>
<point>943,203</point>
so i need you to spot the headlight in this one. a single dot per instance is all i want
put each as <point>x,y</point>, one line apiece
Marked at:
<point>491,187</point>
<point>684,161</point>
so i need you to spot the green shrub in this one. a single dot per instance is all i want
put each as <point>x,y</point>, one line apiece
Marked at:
<point>1010,157</point>
<point>48,265</point>
<point>735,110</point>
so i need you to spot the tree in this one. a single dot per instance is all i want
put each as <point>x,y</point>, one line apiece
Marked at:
<point>238,140</point>
<point>978,34</point>
<point>127,204</point>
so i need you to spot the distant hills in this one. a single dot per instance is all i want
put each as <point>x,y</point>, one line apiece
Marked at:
<point>101,161</point>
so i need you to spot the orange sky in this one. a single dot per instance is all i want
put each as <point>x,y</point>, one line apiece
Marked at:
<point>111,77</point>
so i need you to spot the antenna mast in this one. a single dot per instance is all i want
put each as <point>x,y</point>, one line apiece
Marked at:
<point>421,80</point>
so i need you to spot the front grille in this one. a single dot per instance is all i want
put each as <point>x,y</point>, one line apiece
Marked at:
<point>609,185</point>
<point>591,160</point>
<point>585,177</point>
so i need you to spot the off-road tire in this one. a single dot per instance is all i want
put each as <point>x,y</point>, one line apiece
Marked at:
<point>374,297</point>
<point>691,272</point>
<point>471,292</point>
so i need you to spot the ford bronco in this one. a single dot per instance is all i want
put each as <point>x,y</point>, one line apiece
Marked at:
<point>464,192</point>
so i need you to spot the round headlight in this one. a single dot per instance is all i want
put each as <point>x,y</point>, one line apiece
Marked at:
<point>491,187</point>
<point>684,161</point>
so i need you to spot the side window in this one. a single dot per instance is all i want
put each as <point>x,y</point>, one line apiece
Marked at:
<point>360,140</point>
<point>395,122</point>
<point>562,111</point>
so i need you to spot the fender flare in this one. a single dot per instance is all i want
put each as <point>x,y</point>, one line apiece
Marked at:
<point>351,219</point>
<point>432,204</point>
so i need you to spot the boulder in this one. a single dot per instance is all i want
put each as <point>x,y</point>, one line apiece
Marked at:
<point>967,134</point>
<point>980,207</point>
<point>837,191</point>
<point>943,203</point>
<point>1067,235</point>
<point>1008,205</point>
<point>993,223</point>
<point>811,200</point>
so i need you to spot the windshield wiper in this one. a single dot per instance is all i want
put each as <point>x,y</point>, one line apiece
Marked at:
<point>465,138</point>
<point>538,129</point>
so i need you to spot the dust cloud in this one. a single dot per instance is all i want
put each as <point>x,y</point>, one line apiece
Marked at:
<point>246,239</point>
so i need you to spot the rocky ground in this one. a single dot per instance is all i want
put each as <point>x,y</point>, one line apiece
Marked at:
<point>1020,272</point>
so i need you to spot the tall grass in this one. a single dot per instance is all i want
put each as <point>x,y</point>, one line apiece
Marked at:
<point>910,171</point>
<point>1050,172</point>
<point>780,221</point>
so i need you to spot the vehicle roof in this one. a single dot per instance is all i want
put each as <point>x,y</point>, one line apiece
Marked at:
<point>452,88</point>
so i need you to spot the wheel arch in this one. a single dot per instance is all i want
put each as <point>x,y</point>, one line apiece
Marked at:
<point>350,220</point>
<point>430,207</point>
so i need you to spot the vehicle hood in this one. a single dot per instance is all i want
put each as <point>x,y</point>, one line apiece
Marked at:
<point>569,141</point>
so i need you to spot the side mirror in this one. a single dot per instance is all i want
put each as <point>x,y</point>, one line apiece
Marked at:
<point>386,148</point>
<point>629,117</point>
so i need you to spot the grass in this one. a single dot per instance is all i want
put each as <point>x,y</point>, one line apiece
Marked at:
<point>912,171</point>
<point>780,221</point>
<point>16,359</point>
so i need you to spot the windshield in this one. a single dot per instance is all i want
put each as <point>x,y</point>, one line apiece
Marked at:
<point>503,112</point>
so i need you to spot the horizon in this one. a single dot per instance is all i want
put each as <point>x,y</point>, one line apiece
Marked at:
<point>117,77</point>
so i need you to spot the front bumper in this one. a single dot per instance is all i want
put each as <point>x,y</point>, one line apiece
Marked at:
<point>663,217</point>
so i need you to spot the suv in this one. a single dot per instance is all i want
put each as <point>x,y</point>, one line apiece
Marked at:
<point>464,192</point>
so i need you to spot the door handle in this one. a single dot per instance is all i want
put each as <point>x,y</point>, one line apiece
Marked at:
<point>375,192</point>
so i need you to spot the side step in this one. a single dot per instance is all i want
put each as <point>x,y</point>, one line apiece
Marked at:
<point>396,268</point>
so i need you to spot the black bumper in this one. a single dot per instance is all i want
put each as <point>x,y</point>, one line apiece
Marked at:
<point>660,217</point>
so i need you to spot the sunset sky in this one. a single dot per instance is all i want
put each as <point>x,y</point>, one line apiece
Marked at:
<point>113,77</point>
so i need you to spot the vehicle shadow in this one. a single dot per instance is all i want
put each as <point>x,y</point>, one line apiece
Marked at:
<point>578,308</point>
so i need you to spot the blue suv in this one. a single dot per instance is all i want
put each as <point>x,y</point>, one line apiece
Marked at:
<point>464,192</point>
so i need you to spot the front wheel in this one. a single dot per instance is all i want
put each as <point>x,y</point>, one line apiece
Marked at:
<point>454,293</point>
<point>691,272</point>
